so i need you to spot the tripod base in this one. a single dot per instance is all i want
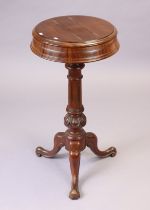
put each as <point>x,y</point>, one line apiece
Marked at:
<point>75,142</point>
<point>75,139</point>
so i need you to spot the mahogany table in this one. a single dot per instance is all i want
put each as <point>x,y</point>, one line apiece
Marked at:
<point>75,40</point>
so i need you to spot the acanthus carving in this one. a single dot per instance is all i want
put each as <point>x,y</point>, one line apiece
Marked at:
<point>75,120</point>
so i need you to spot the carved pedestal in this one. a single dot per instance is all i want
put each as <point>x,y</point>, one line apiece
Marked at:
<point>75,139</point>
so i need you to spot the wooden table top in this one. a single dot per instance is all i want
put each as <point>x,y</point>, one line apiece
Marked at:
<point>74,39</point>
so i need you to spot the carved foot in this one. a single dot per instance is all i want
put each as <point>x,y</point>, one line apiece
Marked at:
<point>91,142</point>
<point>59,142</point>
<point>74,194</point>
<point>74,158</point>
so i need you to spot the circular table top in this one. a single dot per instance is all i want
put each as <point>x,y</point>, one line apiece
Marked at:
<point>74,39</point>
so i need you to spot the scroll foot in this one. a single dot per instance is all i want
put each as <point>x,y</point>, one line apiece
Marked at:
<point>91,142</point>
<point>59,142</point>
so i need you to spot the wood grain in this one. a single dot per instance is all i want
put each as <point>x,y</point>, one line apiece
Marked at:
<point>74,39</point>
<point>75,139</point>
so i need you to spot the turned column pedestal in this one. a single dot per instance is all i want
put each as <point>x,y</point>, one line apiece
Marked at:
<point>74,40</point>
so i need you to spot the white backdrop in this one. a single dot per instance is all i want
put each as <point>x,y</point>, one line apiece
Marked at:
<point>33,98</point>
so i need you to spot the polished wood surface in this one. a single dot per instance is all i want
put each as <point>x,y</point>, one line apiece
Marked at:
<point>74,39</point>
<point>79,38</point>
<point>75,138</point>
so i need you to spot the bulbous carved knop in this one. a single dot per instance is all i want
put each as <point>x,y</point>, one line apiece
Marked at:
<point>75,121</point>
